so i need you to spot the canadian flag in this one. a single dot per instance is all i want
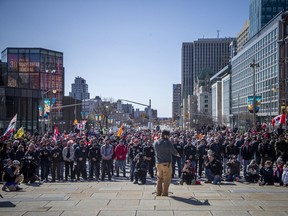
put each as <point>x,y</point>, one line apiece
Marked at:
<point>280,119</point>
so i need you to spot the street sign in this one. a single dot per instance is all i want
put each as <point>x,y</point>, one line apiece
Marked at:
<point>80,126</point>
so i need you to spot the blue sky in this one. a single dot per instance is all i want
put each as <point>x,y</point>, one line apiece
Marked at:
<point>128,49</point>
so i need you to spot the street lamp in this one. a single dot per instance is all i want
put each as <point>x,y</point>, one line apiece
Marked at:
<point>254,65</point>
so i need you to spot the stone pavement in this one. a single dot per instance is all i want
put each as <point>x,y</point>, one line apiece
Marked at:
<point>118,197</point>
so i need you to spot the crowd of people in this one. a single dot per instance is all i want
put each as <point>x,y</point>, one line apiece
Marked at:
<point>210,155</point>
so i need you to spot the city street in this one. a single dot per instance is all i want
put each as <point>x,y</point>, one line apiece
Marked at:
<point>122,197</point>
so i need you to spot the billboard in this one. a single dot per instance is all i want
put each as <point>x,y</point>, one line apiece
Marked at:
<point>258,100</point>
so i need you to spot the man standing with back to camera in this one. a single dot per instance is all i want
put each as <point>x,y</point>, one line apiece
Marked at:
<point>164,150</point>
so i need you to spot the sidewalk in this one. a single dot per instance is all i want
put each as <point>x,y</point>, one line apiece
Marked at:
<point>118,197</point>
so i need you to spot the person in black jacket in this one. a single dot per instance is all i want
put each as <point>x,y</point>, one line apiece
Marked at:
<point>213,169</point>
<point>281,148</point>
<point>56,157</point>
<point>190,151</point>
<point>202,152</point>
<point>133,151</point>
<point>80,160</point>
<point>11,176</point>
<point>149,154</point>
<point>266,173</point>
<point>267,151</point>
<point>44,161</point>
<point>177,160</point>
<point>140,169</point>
<point>94,156</point>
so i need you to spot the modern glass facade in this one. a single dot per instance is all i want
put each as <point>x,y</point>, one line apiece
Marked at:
<point>265,50</point>
<point>29,77</point>
<point>262,11</point>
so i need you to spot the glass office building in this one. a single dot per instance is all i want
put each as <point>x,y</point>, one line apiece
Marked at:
<point>262,11</point>
<point>268,51</point>
<point>31,83</point>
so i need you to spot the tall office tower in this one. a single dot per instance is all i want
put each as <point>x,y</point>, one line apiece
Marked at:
<point>186,70</point>
<point>176,110</point>
<point>262,11</point>
<point>79,89</point>
<point>210,54</point>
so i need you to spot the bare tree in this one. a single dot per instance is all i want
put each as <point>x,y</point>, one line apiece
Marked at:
<point>106,108</point>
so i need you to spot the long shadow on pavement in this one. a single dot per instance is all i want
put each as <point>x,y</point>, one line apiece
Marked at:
<point>191,201</point>
<point>6,204</point>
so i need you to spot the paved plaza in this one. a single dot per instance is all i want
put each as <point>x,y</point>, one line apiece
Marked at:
<point>119,197</point>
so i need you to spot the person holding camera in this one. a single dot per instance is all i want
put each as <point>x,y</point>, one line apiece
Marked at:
<point>11,176</point>
<point>188,173</point>
<point>213,169</point>
<point>233,171</point>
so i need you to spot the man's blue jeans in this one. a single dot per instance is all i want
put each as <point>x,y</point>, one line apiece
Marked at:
<point>211,176</point>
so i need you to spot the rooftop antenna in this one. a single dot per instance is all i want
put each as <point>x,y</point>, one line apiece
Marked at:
<point>218,33</point>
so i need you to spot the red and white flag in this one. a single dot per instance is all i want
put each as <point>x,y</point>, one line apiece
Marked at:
<point>11,127</point>
<point>280,119</point>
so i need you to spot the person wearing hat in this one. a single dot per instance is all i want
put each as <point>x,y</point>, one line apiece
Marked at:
<point>11,176</point>
<point>164,150</point>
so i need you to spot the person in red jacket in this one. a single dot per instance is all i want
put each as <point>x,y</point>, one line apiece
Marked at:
<point>120,162</point>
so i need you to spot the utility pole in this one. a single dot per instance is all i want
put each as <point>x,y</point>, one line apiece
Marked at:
<point>254,65</point>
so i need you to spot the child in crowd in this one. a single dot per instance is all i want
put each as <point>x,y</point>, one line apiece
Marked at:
<point>278,171</point>
<point>266,173</point>
<point>188,173</point>
<point>285,175</point>
<point>252,174</point>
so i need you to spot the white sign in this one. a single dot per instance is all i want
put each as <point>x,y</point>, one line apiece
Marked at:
<point>80,126</point>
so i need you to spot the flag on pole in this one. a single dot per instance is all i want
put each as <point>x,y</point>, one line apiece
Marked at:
<point>19,133</point>
<point>120,131</point>
<point>56,133</point>
<point>11,127</point>
<point>280,119</point>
